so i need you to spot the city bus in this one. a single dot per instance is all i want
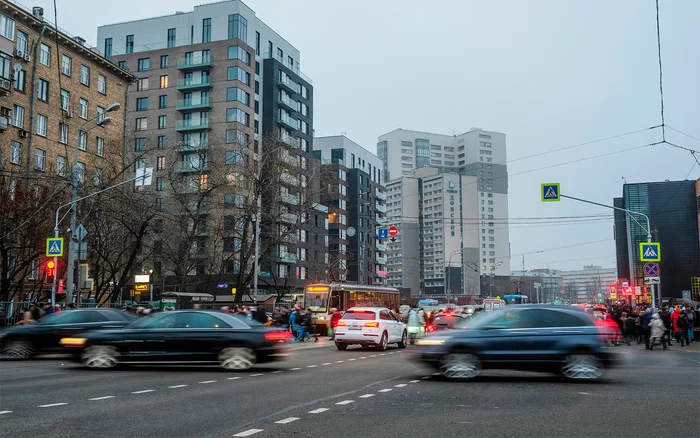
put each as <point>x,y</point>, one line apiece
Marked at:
<point>516,299</point>
<point>321,298</point>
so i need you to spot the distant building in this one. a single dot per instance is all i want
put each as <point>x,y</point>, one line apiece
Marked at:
<point>584,285</point>
<point>541,283</point>
<point>672,207</point>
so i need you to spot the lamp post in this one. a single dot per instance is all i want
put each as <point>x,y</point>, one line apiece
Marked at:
<point>101,121</point>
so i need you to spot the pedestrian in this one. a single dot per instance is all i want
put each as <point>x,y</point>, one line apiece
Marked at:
<point>646,330</point>
<point>628,328</point>
<point>335,317</point>
<point>260,315</point>
<point>691,321</point>
<point>284,318</point>
<point>36,312</point>
<point>666,319</point>
<point>293,318</point>
<point>680,325</point>
<point>26,317</point>
<point>658,331</point>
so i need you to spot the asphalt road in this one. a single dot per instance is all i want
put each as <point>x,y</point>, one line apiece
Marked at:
<point>322,392</point>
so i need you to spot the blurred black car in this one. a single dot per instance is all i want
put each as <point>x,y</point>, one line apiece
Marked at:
<point>446,321</point>
<point>25,341</point>
<point>533,338</point>
<point>196,336</point>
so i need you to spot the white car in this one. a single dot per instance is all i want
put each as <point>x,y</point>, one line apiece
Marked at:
<point>370,326</point>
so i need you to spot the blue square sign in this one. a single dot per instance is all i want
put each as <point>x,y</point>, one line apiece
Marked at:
<point>383,233</point>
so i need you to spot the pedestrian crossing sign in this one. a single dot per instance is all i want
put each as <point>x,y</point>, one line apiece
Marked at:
<point>54,247</point>
<point>649,252</point>
<point>551,192</point>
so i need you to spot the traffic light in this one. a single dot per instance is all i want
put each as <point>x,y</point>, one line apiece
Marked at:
<point>50,271</point>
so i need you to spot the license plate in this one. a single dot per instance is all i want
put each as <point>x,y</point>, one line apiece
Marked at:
<point>354,327</point>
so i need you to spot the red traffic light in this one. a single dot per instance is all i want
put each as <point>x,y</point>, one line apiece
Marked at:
<point>50,264</point>
<point>50,271</point>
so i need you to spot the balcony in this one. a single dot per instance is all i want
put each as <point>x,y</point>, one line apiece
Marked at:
<point>382,221</point>
<point>289,84</point>
<point>286,257</point>
<point>193,84</point>
<point>380,208</point>
<point>288,103</point>
<point>380,195</point>
<point>380,247</point>
<point>289,122</point>
<point>192,125</point>
<point>189,167</point>
<point>290,199</point>
<point>293,67</point>
<point>289,218</point>
<point>291,239</point>
<point>192,147</point>
<point>289,179</point>
<point>194,63</point>
<point>192,104</point>
<point>380,260</point>
<point>288,139</point>
<point>290,160</point>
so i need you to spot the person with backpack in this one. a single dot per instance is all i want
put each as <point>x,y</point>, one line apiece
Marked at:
<point>691,321</point>
<point>293,322</point>
<point>680,325</point>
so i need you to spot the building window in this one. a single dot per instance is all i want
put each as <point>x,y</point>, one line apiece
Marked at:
<point>100,142</point>
<point>235,200</point>
<point>238,27</point>
<point>65,99</point>
<point>140,145</point>
<point>20,80</point>
<point>280,54</point>
<point>164,81</point>
<point>162,101</point>
<point>82,140</point>
<point>102,84</point>
<point>237,136</point>
<point>142,104</point>
<point>237,115</point>
<point>206,30</point>
<point>160,184</point>
<point>238,52</point>
<point>85,75</point>
<point>100,114</point>
<point>164,61</point>
<point>18,116</point>
<point>257,107</point>
<point>61,165</point>
<point>97,178</point>
<point>108,46</point>
<point>66,65</point>
<point>141,124</point>
<point>40,160</point>
<point>83,108</point>
<point>63,133</point>
<point>15,152</point>
<point>129,43</point>
<point>43,94</point>
<point>45,55</point>
<point>234,158</point>
<point>162,122</point>
<point>142,84</point>
<point>160,163</point>
<point>41,125</point>
<point>238,74</point>
<point>161,142</point>
<point>22,43</point>
<point>159,204</point>
<point>144,64</point>
<point>257,43</point>
<point>171,38</point>
<point>122,65</point>
<point>236,94</point>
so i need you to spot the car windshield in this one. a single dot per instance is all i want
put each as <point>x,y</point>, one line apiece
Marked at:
<point>485,319</point>
<point>363,315</point>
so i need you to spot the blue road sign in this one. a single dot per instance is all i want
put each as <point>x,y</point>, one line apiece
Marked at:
<point>551,192</point>
<point>54,247</point>
<point>383,233</point>
<point>651,269</point>
<point>649,252</point>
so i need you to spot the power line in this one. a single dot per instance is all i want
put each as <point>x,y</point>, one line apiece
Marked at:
<point>661,73</point>
<point>681,132</point>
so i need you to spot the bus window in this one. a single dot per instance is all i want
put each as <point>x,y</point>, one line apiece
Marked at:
<point>335,300</point>
<point>317,301</point>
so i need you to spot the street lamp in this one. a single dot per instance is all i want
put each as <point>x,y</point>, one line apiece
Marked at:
<point>492,268</point>
<point>101,121</point>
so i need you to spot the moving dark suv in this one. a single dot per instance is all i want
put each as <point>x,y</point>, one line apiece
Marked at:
<point>528,337</point>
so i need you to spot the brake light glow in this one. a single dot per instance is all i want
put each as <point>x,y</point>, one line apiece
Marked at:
<point>277,336</point>
<point>342,323</point>
<point>372,324</point>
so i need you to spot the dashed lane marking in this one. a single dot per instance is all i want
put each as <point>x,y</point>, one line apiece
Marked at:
<point>415,381</point>
<point>52,405</point>
<point>176,386</point>
<point>144,391</point>
<point>233,378</point>
<point>101,398</point>
<point>277,372</point>
<point>400,385</point>
<point>583,393</point>
<point>436,374</point>
<point>327,363</point>
<point>294,369</point>
<point>383,354</point>
<point>367,396</point>
<point>257,375</point>
<point>287,420</point>
<point>363,357</point>
<point>391,352</point>
<point>207,381</point>
<point>426,377</point>
<point>345,402</point>
<point>339,361</point>
<point>248,432</point>
<point>319,410</point>
<point>311,366</point>
<point>373,355</point>
<point>385,390</point>
<point>5,412</point>
<point>349,360</point>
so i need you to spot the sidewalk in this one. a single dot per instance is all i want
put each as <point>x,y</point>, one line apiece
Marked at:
<point>323,341</point>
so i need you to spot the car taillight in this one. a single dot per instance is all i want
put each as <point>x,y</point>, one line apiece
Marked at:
<point>277,336</point>
<point>372,324</point>
<point>341,323</point>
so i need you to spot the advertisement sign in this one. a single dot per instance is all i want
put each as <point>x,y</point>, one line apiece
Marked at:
<point>168,304</point>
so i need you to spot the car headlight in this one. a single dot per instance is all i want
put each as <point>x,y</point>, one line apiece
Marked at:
<point>433,340</point>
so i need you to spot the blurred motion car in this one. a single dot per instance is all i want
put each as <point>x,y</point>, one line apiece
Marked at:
<point>26,341</point>
<point>446,321</point>
<point>181,336</point>
<point>532,338</point>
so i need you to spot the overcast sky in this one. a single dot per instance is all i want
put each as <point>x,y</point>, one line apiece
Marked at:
<point>549,74</point>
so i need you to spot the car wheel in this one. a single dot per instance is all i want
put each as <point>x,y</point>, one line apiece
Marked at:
<point>404,340</point>
<point>100,357</point>
<point>383,342</point>
<point>340,346</point>
<point>460,366</point>
<point>582,367</point>
<point>237,358</point>
<point>17,349</point>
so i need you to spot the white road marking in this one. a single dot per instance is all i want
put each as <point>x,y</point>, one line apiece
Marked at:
<point>277,372</point>
<point>415,381</point>
<point>101,398</point>
<point>176,386</point>
<point>144,391</point>
<point>208,381</point>
<point>425,377</point>
<point>5,412</point>
<point>363,357</point>
<point>233,378</point>
<point>385,390</point>
<point>367,396</point>
<point>287,420</point>
<point>249,432</point>
<point>51,405</point>
<point>327,363</point>
<point>374,355</point>
<point>391,352</point>
<point>256,375</point>
<point>339,361</point>
<point>400,385</point>
<point>294,369</point>
<point>311,366</point>
<point>351,359</point>
<point>383,354</point>
<point>319,410</point>
<point>583,393</point>
<point>345,402</point>
<point>436,374</point>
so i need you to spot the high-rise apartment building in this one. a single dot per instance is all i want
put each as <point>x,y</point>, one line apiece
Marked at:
<point>672,208</point>
<point>352,189</point>
<point>219,102</point>
<point>477,153</point>
<point>403,255</point>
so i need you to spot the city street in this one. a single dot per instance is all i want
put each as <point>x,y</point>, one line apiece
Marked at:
<point>323,392</point>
